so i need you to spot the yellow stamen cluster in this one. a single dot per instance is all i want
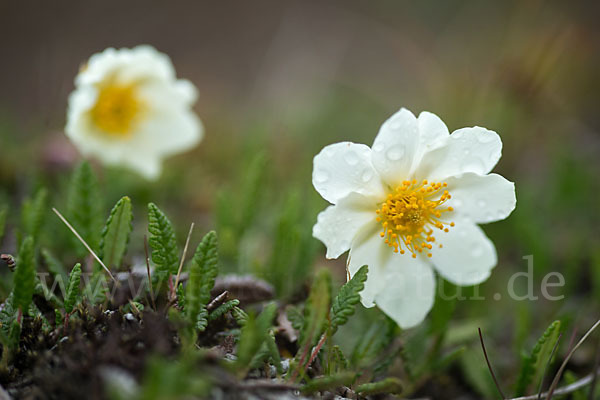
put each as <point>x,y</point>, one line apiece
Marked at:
<point>116,110</point>
<point>411,213</point>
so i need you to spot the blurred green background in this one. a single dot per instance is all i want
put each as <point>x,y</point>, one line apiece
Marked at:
<point>278,80</point>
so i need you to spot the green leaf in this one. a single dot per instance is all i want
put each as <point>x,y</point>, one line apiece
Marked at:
<point>115,235</point>
<point>24,276</point>
<point>164,246</point>
<point>533,366</point>
<point>202,319</point>
<point>374,339</point>
<point>55,267</point>
<point>477,374</point>
<point>251,191</point>
<point>316,309</point>
<point>203,271</point>
<point>33,213</point>
<point>348,297</point>
<point>84,206</point>
<point>389,386</point>
<point>3,215</point>
<point>239,315</point>
<point>223,309</point>
<point>7,315</point>
<point>253,335</point>
<point>337,361</point>
<point>329,382</point>
<point>295,317</point>
<point>73,288</point>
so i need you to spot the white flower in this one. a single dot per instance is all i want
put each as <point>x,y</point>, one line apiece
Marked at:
<point>128,108</point>
<point>411,204</point>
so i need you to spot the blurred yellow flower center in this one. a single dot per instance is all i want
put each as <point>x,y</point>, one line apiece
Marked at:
<point>117,109</point>
<point>411,213</point>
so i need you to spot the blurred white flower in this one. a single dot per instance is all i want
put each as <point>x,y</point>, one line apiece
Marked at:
<point>411,204</point>
<point>129,109</point>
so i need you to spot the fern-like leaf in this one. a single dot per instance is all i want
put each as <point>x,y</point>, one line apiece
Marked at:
<point>316,309</point>
<point>115,235</point>
<point>73,288</point>
<point>533,365</point>
<point>203,272</point>
<point>84,206</point>
<point>24,277</point>
<point>164,245</point>
<point>33,213</point>
<point>253,336</point>
<point>295,316</point>
<point>348,297</point>
<point>223,309</point>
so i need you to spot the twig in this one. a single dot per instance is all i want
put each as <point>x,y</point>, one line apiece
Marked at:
<point>187,242</point>
<point>586,380</point>
<point>567,358</point>
<point>148,269</point>
<point>489,365</point>
<point>548,366</point>
<point>63,219</point>
<point>315,351</point>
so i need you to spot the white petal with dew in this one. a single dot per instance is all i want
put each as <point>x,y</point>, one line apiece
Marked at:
<point>409,292</point>
<point>482,199</point>
<point>395,147</point>
<point>345,167</point>
<point>467,256</point>
<point>474,150</point>
<point>337,226</point>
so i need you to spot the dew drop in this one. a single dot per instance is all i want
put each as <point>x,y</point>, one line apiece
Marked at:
<point>321,176</point>
<point>395,153</point>
<point>481,203</point>
<point>462,233</point>
<point>456,202</point>
<point>351,158</point>
<point>378,147</point>
<point>344,244</point>
<point>366,176</point>
<point>489,216</point>
<point>485,137</point>
<point>467,152</point>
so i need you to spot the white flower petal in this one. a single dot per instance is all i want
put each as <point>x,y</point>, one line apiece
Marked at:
<point>431,128</point>
<point>370,249</point>
<point>345,167</point>
<point>395,147</point>
<point>167,133</point>
<point>482,199</point>
<point>465,150</point>
<point>467,256</point>
<point>409,292</point>
<point>337,226</point>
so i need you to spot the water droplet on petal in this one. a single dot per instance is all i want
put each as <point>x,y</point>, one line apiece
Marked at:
<point>344,244</point>
<point>378,147</point>
<point>351,158</point>
<point>395,153</point>
<point>366,176</point>
<point>485,137</point>
<point>489,216</point>
<point>481,203</point>
<point>462,233</point>
<point>467,152</point>
<point>457,202</point>
<point>321,176</point>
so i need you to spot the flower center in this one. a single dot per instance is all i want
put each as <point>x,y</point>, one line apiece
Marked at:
<point>411,213</point>
<point>116,109</point>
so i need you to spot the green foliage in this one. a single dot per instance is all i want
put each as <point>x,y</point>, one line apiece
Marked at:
<point>3,215</point>
<point>374,339</point>
<point>164,247</point>
<point>166,379</point>
<point>295,317</point>
<point>24,276</point>
<point>84,206</point>
<point>55,267</point>
<point>33,212</point>
<point>293,248</point>
<point>254,334</point>
<point>252,185</point>
<point>316,310</point>
<point>533,365</point>
<point>476,373</point>
<point>239,315</point>
<point>203,271</point>
<point>388,385</point>
<point>329,382</point>
<point>337,360</point>
<point>73,291</point>
<point>115,235</point>
<point>223,309</point>
<point>346,300</point>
